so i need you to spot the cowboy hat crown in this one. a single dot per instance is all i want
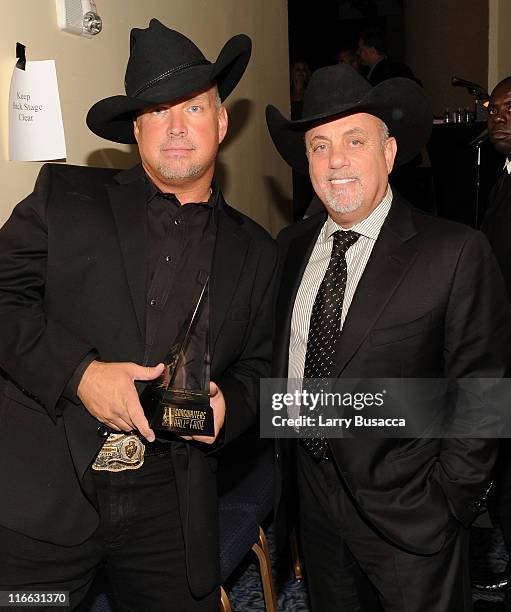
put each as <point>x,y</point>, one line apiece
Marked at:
<point>165,66</point>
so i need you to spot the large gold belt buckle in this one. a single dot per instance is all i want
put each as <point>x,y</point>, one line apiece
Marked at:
<point>120,452</point>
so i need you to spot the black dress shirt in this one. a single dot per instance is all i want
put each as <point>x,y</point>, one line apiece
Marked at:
<point>180,243</point>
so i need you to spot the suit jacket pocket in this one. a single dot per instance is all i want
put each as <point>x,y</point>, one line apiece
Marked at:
<point>15,394</point>
<point>400,332</point>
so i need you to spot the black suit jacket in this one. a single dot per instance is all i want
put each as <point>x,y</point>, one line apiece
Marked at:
<point>429,304</point>
<point>387,69</point>
<point>72,280</point>
<point>497,225</point>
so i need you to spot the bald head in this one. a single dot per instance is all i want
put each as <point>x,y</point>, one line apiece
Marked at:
<point>499,116</point>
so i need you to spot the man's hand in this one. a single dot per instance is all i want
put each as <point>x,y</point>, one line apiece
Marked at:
<point>108,392</point>
<point>217,402</point>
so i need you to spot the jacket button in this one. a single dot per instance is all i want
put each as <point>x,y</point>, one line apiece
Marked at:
<point>103,431</point>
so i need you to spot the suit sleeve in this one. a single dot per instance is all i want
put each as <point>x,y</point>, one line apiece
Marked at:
<point>477,346</point>
<point>240,382</point>
<point>36,352</point>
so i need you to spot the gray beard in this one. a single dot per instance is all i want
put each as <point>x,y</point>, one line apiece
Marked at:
<point>332,202</point>
<point>166,173</point>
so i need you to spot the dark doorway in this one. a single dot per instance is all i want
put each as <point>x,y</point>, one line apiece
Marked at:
<point>318,30</point>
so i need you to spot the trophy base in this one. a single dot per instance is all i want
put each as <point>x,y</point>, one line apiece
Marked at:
<point>184,412</point>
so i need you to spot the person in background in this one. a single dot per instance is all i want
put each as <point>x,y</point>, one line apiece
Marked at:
<point>349,55</point>
<point>497,227</point>
<point>299,77</point>
<point>372,49</point>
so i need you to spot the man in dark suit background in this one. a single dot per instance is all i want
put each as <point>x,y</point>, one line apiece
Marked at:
<point>373,288</point>
<point>98,272</point>
<point>497,226</point>
<point>497,221</point>
<point>372,49</point>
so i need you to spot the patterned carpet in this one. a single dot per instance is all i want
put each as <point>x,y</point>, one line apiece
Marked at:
<point>245,593</point>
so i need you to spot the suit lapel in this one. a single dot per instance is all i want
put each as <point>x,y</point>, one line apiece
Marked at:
<point>231,249</point>
<point>390,259</point>
<point>293,266</point>
<point>127,200</point>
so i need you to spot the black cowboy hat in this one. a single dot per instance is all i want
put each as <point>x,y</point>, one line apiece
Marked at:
<point>165,66</point>
<point>336,91</point>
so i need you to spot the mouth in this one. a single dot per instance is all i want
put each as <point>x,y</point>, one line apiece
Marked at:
<point>177,147</point>
<point>176,151</point>
<point>499,134</point>
<point>342,181</point>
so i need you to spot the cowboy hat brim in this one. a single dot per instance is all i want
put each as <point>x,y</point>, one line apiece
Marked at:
<point>400,103</point>
<point>112,117</point>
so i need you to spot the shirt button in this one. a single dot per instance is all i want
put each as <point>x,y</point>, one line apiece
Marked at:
<point>177,221</point>
<point>168,259</point>
<point>153,302</point>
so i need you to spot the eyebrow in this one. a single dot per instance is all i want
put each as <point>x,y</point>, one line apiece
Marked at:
<point>350,132</point>
<point>355,130</point>
<point>199,97</point>
<point>503,100</point>
<point>318,137</point>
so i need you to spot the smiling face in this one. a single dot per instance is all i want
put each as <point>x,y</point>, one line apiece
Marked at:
<point>499,117</point>
<point>349,162</point>
<point>178,142</point>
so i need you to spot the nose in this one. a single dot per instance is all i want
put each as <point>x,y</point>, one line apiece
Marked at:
<point>176,125</point>
<point>498,117</point>
<point>338,157</point>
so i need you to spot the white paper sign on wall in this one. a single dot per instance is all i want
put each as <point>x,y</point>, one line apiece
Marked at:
<point>36,131</point>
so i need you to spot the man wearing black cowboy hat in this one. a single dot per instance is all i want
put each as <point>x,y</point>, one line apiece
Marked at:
<point>98,269</point>
<point>373,288</point>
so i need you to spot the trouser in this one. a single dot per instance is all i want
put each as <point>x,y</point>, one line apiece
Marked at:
<point>499,503</point>
<point>139,542</point>
<point>341,550</point>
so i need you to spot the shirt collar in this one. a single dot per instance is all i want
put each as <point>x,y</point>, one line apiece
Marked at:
<point>507,165</point>
<point>370,226</point>
<point>152,191</point>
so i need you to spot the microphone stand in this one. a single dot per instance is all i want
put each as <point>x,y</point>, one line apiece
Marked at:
<point>477,143</point>
<point>478,184</point>
<point>480,93</point>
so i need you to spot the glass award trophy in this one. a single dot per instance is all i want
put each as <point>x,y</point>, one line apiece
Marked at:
<point>178,401</point>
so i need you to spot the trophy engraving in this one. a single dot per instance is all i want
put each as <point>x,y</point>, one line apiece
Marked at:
<point>178,401</point>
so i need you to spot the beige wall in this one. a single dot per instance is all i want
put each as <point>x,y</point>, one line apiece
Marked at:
<point>446,38</point>
<point>499,65</point>
<point>254,178</point>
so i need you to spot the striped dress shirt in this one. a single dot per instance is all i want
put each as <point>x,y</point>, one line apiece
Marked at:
<point>357,257</point>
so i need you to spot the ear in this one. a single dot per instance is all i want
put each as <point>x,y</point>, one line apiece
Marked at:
<point>390,150</point>
<point>136,130</point>
<point>223,122</point>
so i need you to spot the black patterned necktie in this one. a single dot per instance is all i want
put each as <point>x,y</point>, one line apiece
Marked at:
<point>325,328</point>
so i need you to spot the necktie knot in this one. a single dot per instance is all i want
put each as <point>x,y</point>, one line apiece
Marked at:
<point>342,241</point>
